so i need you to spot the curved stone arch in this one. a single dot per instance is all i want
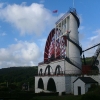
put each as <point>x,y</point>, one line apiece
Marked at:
<point>48,68</point>
<point>40,84</point>
<point>58,70</point>
<point>40,72</point>
<point>51,86</point>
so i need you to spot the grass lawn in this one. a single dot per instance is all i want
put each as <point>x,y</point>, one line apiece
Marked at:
<point>65,97</point>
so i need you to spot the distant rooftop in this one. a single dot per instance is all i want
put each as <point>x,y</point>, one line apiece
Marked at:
<point>86,80</point>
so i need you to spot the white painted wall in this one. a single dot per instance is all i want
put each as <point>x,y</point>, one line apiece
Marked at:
<point>68,84</point>
<point>81,84</point>
<point>64,83</point>
<point>70,69</point>
<point>74,52</point>
<point>53,64</point>
<point>66,67</point>
<point>59,82</point>
<point>73,78</point>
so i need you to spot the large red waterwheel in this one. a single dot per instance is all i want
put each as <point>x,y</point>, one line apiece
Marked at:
<point>55,47</point>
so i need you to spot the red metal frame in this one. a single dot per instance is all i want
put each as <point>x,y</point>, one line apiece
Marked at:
<point>55,47</point>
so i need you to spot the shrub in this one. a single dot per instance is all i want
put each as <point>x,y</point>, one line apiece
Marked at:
<point>93,93</point>
<point>90,96</point>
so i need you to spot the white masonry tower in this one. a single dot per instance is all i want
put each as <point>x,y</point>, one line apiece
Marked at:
<point>61,57</point>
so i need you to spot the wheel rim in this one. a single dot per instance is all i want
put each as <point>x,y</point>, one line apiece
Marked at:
<point>55,47</point>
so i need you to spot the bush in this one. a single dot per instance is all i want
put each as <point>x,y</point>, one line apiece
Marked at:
<point>93,87</point>
<point>90,96</point>
<point>6,89</point>
<point>93,93</point>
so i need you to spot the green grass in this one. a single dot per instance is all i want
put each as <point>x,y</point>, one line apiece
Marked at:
<point>65,97</point>
<point>88,60</point>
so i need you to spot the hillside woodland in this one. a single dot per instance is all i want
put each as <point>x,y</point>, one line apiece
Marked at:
<point>14,77</point>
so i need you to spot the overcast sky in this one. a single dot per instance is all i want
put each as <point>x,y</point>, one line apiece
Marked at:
<point>25,25</point>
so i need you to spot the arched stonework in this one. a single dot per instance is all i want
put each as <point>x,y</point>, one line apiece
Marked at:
<point>58,70</point>
<point>48,70</point>
<point>40,72</point>
<point>51,86</point>
<point>40,84</point>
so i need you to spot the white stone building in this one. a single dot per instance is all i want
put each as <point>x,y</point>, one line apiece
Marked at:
<point>82,84</point>
<point>62,63</point>
<point>61,57</point>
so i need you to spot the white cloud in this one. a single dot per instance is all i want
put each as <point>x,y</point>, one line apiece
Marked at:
<point>97,31</point>
<point>42,41</point>
<point>20,54</point>
<point>3,34</point>
<point>1,5</point>
<point>42,45</point>
<point>81,28</point>
<point>81,36</point>
<point>96,38</point>
<point>42,1</point>
<point>28,19</point>
<point>16,39</point>
<point>80,18</point>
<point>33,19</point>
<point>93,40</point>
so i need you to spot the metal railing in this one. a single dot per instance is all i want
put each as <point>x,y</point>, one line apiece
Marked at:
<point>66,72</point>
<point>70,72</point>
<point>91,72</point>
<point>47,62</point>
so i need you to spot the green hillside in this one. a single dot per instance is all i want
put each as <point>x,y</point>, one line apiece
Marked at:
<point>18,76</point>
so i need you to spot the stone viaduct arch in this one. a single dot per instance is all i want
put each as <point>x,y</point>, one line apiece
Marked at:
<point>58,70</point>
<point>48,70</point>
<point>51,86</point>
<point>40,84</point>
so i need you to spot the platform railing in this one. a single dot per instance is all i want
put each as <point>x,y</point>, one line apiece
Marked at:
<point>61,58</point>
<point>66,72</point>
<point>70,72</point>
